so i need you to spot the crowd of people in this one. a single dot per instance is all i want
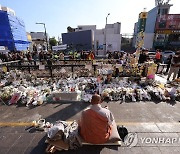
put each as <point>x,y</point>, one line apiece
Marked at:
<point>44,55</point>
<point>172,62</point>
<point>25,56</point>
<point>120,57</point>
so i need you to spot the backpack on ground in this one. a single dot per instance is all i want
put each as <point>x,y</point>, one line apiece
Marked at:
<point>122,132</point>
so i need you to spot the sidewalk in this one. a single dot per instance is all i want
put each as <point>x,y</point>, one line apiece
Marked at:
<point>147,119</point>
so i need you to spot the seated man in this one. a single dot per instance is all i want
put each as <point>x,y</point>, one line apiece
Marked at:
<point>97,125</point>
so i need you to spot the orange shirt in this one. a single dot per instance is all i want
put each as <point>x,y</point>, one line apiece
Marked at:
<point>94,128</point>
<point>91,56</point>
<point>158,55</point>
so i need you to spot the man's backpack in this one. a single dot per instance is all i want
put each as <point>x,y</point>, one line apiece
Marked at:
<point>122,132</point>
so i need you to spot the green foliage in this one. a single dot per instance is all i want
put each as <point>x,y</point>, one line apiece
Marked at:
<point>52,42</point>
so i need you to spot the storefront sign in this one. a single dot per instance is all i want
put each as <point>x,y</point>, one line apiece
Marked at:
<point>59,47</point>
<point>170,21</point>
<point>2,48</point>
<point>168,31</point>
<point>174,43</point>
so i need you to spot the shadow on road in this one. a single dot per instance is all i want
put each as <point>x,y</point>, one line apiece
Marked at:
<point>67,112</point>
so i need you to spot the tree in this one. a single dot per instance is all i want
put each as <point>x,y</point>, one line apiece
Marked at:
<point>52,42</point>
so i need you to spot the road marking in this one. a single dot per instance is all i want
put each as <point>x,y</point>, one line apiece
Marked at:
<point>16,124</point>
<point>142,123</point>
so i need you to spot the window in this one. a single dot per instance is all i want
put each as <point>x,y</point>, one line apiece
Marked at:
<point>162,24</point>
<point>164,11</point>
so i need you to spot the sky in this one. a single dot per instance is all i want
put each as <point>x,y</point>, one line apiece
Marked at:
<point>59,14</point>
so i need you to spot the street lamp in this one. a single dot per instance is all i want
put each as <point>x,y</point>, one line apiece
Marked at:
<point>107,17</point>
<point>45,32</point>
<point>105,35</point>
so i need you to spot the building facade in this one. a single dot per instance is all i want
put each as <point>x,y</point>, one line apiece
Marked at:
<point>79,40</point>
<point>150,28</point>
<point>162,30</point>
<point>139,30</point>
<point>167,32</point>
<point>109,36</point>
<point>12,31</point>
<point>39,40</point>
<point>135,34</point>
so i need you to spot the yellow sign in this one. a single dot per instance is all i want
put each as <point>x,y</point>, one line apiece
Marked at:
<point>164,31</point>
<point>29,37</point>
<point>143,15</point>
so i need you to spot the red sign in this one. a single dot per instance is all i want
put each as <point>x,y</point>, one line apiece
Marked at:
<point>170,21</point>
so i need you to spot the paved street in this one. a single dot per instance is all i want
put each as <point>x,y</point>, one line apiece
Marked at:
<point>147,119</point>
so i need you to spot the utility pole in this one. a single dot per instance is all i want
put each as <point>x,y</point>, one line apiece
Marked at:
<point>105,35</point>
<point>45,33</point>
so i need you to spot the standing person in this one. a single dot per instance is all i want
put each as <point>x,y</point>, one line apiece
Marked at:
<point>5,57</point>
<point>110,55</point>
<point>140,61</point>
<point>142,57</point>
<point>168,63</point>
<point>19,57</point>
<point>179,74</point>
<point>158,59</point>
<point>158,56</point>
<point>116,72</point>
<point>14,56</point>
<point>91,56</point>
<point>175,65</point>
<point>29,57</point>
<point>61,56</point>
<point>45,55</point>
<point>108,79</point>
<point>116,55</point>
<point>35,57</point>
<point>128,58</point>
<point>41,56</point>
<point>49,63</point>
<point>82,54</point>
<point>9,56</point>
